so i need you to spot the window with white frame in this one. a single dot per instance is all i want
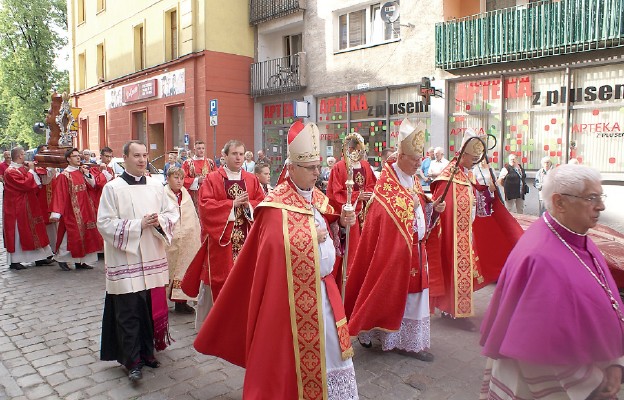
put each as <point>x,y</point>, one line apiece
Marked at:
<point>365,26</point>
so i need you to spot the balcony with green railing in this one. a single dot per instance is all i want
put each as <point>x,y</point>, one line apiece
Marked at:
<point>539,29</point>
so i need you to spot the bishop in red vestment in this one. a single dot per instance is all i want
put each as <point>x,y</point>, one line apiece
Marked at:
<point>196,169</point>
<point>387,295</point>
<point>280,315</point>
<point>364,181</point>
<point>78,239</point>
<point>468,248</point>
<point>227,199</point>
<point>102,174</point>
<point>25,236</point>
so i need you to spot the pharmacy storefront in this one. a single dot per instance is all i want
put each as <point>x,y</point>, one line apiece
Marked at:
<point>576,113</point>
<point>374,114</point>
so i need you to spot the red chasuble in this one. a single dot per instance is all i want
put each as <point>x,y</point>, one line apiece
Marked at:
<point>465,256</point>
<point>364,180</point>
<point>222,239</point>
<point>100,181</point>
<point>268,318</point>
<point>72,199</point>
<point>196,168</point>
<point>21,205</point>
<point>386,266</point>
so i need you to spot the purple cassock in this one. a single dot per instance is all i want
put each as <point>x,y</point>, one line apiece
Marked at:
<point>548,308</point>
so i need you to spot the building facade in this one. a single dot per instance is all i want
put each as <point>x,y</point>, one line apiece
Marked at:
<point>147,70</point>
<point>541,77</point>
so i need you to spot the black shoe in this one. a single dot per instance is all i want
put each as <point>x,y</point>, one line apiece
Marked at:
<point>83,266</point>
<point>45,261</point>
<point>424,356</point>
<point>64,266</point>
<point>135,374</point>
<point>184,308</point>
<point>152,363</point>
<point>17,266</point>
<point>365,345</point>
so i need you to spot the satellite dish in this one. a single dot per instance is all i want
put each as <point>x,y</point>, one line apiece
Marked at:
<point>390,12</point>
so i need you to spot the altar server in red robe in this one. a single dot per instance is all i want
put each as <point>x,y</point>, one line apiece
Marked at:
<point>280,314</point>
<point>25,236</point>
<point>196,169</point>
<point>468,248</point>
<point>227,199</point>
<point>387,295</point>
<point>364,181</point>
<point>102,174</point>
<point>78,240</point>
<point>45,193</point>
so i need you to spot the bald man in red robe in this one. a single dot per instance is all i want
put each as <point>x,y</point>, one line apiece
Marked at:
<point>25,236</point>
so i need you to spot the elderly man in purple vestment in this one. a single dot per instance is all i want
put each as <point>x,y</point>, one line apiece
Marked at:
<point>555,326</point>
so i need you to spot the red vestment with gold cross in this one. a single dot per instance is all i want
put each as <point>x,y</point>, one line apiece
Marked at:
<point>466,255</point>
<point>196,168</point>
<point>387,264</point>
<point>269,316</point>
<point>22,206</point>
<point>364,181</point>
<point>72,199</point>
<point>222,240</point>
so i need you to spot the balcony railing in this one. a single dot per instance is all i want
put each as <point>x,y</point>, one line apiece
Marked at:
<point>539,29</point>
<point>280,75</point>
<point>266,10</point>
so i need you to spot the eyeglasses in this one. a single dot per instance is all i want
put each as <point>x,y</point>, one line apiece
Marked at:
<point>311,168</point>
<point>594,199</point>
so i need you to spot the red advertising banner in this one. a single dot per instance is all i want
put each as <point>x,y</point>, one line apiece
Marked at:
<point>140,91</point>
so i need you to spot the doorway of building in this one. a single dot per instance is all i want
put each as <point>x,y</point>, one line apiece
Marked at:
<point>156,140</point>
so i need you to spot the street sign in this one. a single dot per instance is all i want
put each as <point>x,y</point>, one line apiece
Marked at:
<point>213,120</point>
<point>213,109</point>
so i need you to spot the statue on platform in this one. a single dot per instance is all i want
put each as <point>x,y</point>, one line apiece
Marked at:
<point>59,120</point>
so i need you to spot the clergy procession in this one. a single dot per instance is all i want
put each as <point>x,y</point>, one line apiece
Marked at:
<point>294,282</point>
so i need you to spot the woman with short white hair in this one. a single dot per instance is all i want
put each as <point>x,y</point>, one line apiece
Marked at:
<point>249,164</point>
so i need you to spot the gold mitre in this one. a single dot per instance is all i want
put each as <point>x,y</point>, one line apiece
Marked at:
<point>412,138</point>
<point>473,147</point>
<point>303,142</point>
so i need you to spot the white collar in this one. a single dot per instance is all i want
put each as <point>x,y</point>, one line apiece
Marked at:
<point>136,178</point>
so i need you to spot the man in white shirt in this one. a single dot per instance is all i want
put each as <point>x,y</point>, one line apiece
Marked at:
<point>437,166</point>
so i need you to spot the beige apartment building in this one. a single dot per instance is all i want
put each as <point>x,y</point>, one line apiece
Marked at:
<point>148,70</point>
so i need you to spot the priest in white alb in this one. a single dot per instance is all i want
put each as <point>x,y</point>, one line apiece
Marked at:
<point>136,220</point>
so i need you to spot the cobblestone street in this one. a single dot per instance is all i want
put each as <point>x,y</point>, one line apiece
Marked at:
<point>50,323</point>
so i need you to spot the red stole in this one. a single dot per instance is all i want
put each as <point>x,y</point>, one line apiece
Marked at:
<point>235,188</point>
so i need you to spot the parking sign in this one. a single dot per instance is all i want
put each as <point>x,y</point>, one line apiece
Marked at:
<point>213,107</point>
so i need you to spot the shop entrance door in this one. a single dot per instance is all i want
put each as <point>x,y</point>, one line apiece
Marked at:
<point>276,149</point>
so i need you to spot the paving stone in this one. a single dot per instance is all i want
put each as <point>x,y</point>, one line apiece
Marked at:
<point>81,360</point>
<point>39,392</point>
<point>29,380</point>
<point>56,379</point>
<point>72,386</point>
<point>23,370</point>
<point>48,370</point>
<point>49,360</point>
